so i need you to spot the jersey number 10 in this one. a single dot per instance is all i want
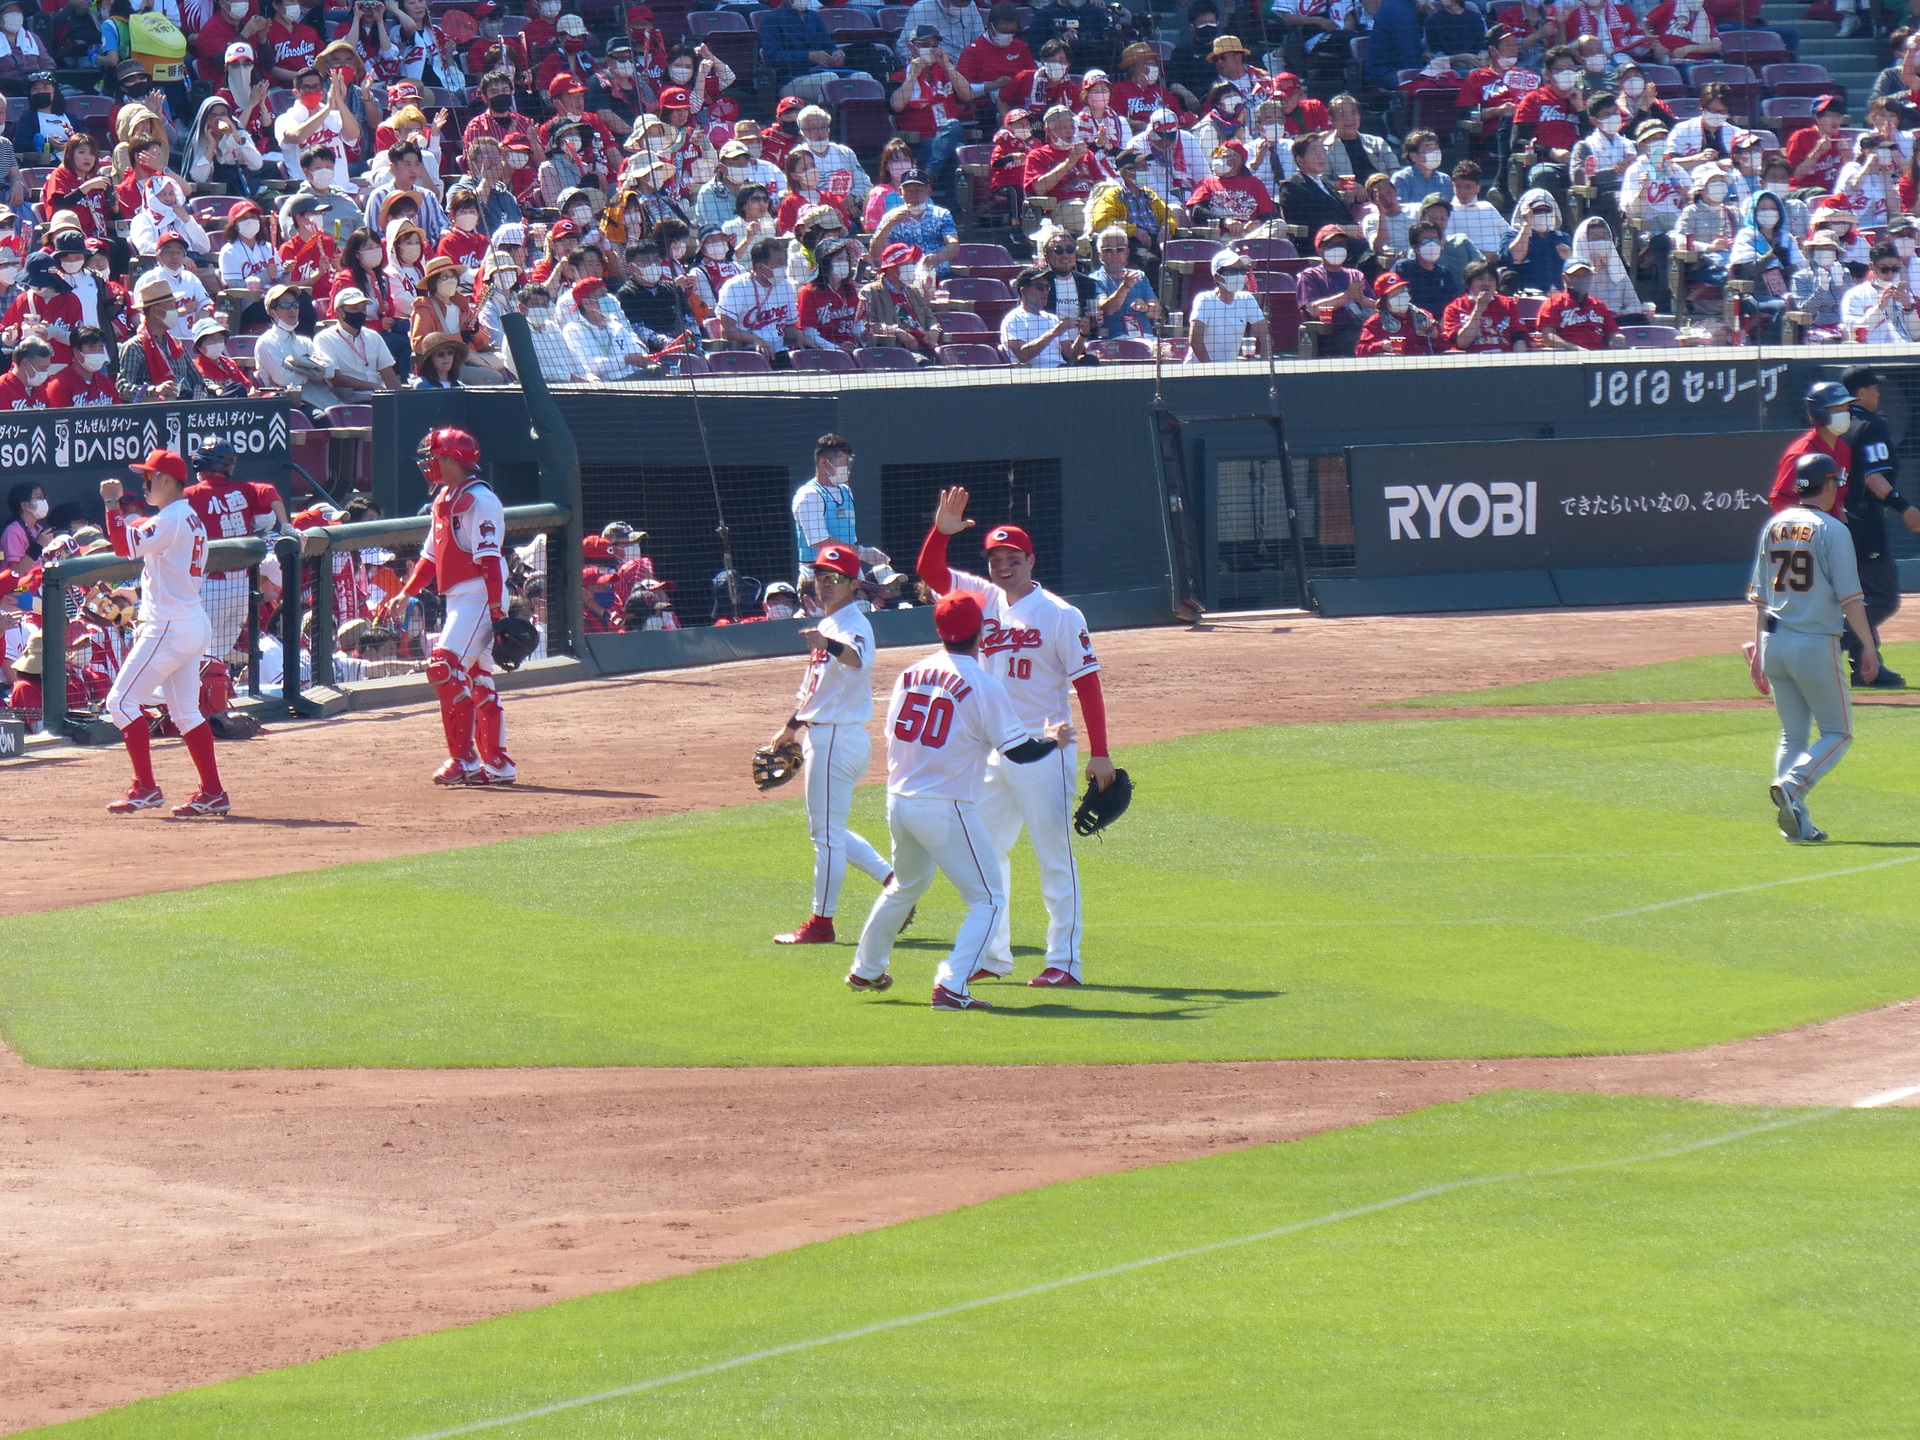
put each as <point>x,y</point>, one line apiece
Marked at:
<point>924,720</point>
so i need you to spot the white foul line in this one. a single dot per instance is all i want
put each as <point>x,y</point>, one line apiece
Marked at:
<point>1886,1097</point>
<point>902,1322</point>
<point>1762,885</point>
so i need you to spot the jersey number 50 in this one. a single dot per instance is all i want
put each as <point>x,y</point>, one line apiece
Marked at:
<point>928,721</point>
<point>1792,568</point>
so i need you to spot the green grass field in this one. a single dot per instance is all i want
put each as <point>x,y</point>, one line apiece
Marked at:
<point>1701,677</point>
<point>1417,888</point>
<point>1760,1286</point>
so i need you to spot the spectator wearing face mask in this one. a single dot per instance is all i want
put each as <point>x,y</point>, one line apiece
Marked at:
<point>27,530</point>
<point>223,377</point>
<point>1062,168</point>
<point>1421,175</point>
<point>1537,247</point>
<point>604,345</point>
<point>1226,315</point>
<point>1868,180</point>
<point>1045,86</point>
<point>1602,156</point>
<point>1431,285</point>
<point>1124,204</point>
<point>717,201</point>
<point>1483,321</point>
<point>337,213</point>
<point>759,310</point>
<point>1707,226</point>
<point>649,298</point>
<point>1653,193</point>
<point>247,258</point>
<point>1880,310</point>
<point>1230,197</point>
<point>1398,326</point>
<point>47,309</point>
<point>22,387</point>
<point>1903,233</point>
<point>831,158</point>
<point>1548,119</point>
<point>1270,150</point>
<point>284,361</point>
<point>991,60</point>
<point>930,99</point>
<point>1764,253</point>
<point>897,313</point>
<point>550,348</point>
<point>1334,293</point>
<point>463,241</point>
<point>154,363</point>
<point>1141,91</point>
<point>918,222</point>
<point>319,118</point>
<point>1226,116</point>
<point>1572,319</point>
<point>1817,289</point>
<point>501,120</point>
<point>1708,138</point>
<point>823,507</point>
<point>355,358</point>
<point>87,381</point>
<point>1171,160</point>
<point>829,304</point>
<point>1593,243</point>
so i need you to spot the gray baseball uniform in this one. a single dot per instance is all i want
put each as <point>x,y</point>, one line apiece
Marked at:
<point>1803,574</point>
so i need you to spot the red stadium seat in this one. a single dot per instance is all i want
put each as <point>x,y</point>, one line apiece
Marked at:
<point>865,120</point>
<point>1746,47</point>
<point>1279,296</point>
<point>991,299</point>
<point>978,357</point>
<point>885,357</point>
<point>1668,79</point>
<point>1800,79</point>
<point>739,362</point>
<point>1265,249</point>
<point>987,262</point>
<point>729,36</point>
<point>959,322</point>
<point>1794,112</point>
<point>823,360</point>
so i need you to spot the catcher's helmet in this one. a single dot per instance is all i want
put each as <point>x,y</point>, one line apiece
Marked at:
<point>1812,472</point>
<point>1827,395</point>
<point>216,452</point>
<point>453,444</point>
<point>514,639</point>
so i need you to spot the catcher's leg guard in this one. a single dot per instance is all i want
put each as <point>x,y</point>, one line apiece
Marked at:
<point>489,721</point>
<point>454,690</point>
<point>216,688</point>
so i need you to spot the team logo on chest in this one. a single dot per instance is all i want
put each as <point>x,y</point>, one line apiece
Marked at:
<point>997,637</point>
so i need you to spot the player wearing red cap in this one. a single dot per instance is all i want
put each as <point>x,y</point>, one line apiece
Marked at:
<point>1037,645</point>
<point>948,717</point>
<point>462,560</point>
<point>172,549</point>
<point>835,706</point>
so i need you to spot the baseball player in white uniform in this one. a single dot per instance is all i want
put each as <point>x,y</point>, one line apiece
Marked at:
<point>170,638</point>
<point>1804,583</point>
<point>835,707</point>
<point>1037,645</point>
<point>948,714</point>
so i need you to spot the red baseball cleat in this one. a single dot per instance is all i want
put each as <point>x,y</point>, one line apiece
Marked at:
<point>882,981</point>
<point>945,999</point>
<point>1053,977</point>
<point>985,974</point>
<point>136,800</point>
<point>201,806</point>
<point>454,772</point>
<point>817,931</point>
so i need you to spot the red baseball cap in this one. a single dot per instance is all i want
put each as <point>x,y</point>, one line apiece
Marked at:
<point>639,15</point>
<point>957,617</point>
<point>675,98</point>
<point>1009,537</point>
<point>787,106</point>
<point>595,547</point>
<point>562,229</point>
<point>164,462</point>
<point>565,84</point>
<point>583,288</point>
<point>839,559</point>
<point>1286,82</point>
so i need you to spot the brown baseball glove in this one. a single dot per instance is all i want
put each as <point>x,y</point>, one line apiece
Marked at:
<point>776,764</point>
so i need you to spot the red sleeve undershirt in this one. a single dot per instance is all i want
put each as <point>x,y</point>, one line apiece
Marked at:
<point>1093,710</point>
<point>932,565</point>
<point>495,570</point>
<point>421,577</point>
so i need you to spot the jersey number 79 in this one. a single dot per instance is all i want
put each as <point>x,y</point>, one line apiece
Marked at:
<point>928,721</point>
<point>1792,569</point>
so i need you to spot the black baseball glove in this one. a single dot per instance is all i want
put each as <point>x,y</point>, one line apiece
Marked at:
<point>776,764</point>
<point>514,639</point>
<point>1100,808</point>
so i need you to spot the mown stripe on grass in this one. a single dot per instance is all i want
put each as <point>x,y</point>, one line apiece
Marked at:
<point>902,1322</point>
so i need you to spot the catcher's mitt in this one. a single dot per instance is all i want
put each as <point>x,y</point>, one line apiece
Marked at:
<point>776,764</point>
<point>514,639</point>
<point>1100,808</point>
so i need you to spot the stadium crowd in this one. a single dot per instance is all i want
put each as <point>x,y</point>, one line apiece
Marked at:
<point>221,197</point>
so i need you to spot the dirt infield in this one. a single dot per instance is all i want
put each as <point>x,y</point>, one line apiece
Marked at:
<point>166,1229</point>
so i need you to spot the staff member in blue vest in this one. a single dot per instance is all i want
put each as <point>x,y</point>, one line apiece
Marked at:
<point>823,507</point>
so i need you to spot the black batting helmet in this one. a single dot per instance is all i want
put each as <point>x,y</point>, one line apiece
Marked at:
<point>514,639</point>
<point>1811,474</point>
<point>216,452</point>
<point>1826,396</point>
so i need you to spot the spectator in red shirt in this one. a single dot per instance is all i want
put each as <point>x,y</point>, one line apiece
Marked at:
<point>308,255</point>
<point>1818,151</point>
<point>649,45</point>
<point>1549,120</point>
<point>573,57</point>
<point>88,380</point>
<point>1398,327</point>
<point>1303,113</point>
<point>46,307</point>
<point>1230,196</point>
<point>288,46</point>
<point>1682,32</point>
<point>991,62</point>
<point>1483,320</point>
<point>1046,85</point>
<point>1573,319</point>
<point>1140,92</point>
<point>463,239</point>
<point>1062,167</point>
<point>501,120</point>
<point>929,100</point>
<point>829,303</point>
<point>233,20</point>
<point>23,387</point>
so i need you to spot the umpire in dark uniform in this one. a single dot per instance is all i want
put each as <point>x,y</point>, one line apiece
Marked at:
<point>1876,469</point>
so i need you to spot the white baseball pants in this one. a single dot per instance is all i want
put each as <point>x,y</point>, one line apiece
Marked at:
<point>468,633</point>
<point>166,656</point>
<point>935,835</point>
<point>1809,678</point>
<point>1040,797</point>
<point>836,759</point>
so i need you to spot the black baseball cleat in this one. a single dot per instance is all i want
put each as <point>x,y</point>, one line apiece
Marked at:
<point>1888,680</point>
<point>1788,813</point>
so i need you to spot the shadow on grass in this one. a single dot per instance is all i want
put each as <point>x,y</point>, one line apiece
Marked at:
<point>931,942</point>
<point>1184,992</point>
<point>1870,844</point>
